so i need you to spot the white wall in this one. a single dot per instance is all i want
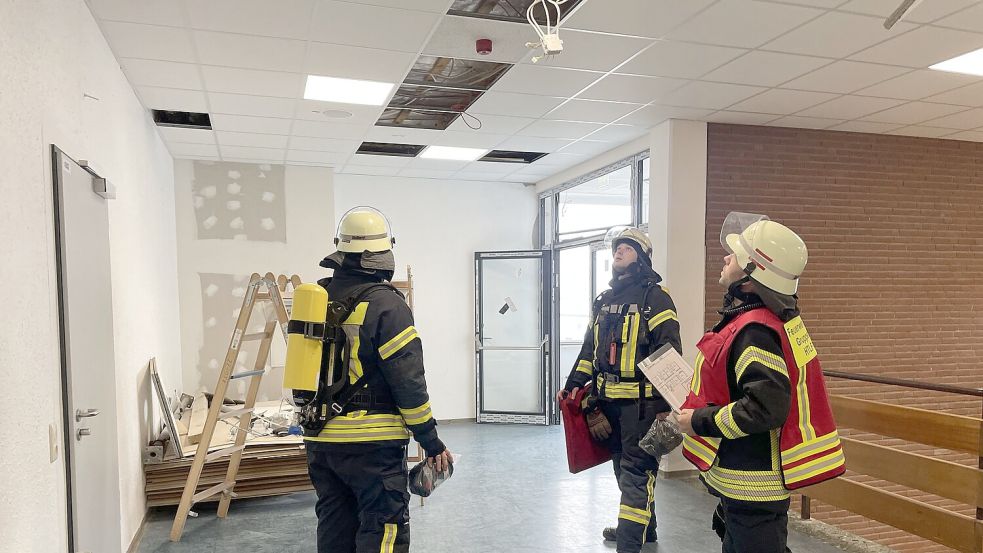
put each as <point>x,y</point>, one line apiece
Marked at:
<point>439,225</point>
<point>52,53</point>
<point>308,216</point>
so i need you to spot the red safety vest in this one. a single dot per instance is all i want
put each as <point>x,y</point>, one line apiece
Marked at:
<point>810,446</point>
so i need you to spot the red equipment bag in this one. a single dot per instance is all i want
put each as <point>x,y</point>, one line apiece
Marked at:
<point>582,451</point>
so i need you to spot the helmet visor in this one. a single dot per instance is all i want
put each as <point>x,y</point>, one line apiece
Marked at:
<point>613,235</point>
<point>734,226</point>
<point>379,239</point>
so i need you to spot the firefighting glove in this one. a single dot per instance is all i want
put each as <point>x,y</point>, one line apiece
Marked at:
<point>597,423</point>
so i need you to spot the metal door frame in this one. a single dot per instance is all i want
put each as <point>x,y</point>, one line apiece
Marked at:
<point>546,270</point>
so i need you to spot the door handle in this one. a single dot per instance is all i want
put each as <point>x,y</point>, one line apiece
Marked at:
<point>82,432</point>
<point>80,414</point>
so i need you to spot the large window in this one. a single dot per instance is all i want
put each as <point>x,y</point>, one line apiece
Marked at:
<point>594,206</point>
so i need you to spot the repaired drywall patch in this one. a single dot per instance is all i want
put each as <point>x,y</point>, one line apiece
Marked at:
<point>239,201</point>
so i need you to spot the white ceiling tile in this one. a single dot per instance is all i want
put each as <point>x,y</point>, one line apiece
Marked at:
<point>133,40</point>
<point>701,94</point>
<point>379,161</point>
<point>918,85</point>
<point>679,59</point>
<point>226,138</point>
<point>650,116</point>
<point>533,144</point>
<point>817,3</point>
<point>317,129</point>
<point>483,177</point>
<point>971,95</point>
<point>618,133</point>
<point>844,77</point>
<point>250,51</point>
<point>467,138</point>
<point>371,26</point>
<point>288,19</point>
<point>246,152</point>
<point>139,11</point>
<point>588,147</point>
<point>545,81</point>
<point>965,120</point>
<point>924,12</point>
<point>559,129</point>
<point>559,160</point>
<point>353,62</point>
<point>592,111</point>
<point>970,19</point>
<point>436,164</point>
<point>426,174</point>
<point>456,35</point>
<point>849,107</point>
<point>913,113</point>
<point>518,105</point>
<point>400,135</point>
<point>631,88</point>
<point>242,123</point>
<point>491,169</point>
<point>162,73</point>
<point>925,132</point>
<point>592,51</point>
<point>495,124</point>
<point>864,126</point>
<point>741,118</point>
<point>259,106</point>
<point>187,136</point>
<point>804,122</point>
<point>180,150</point>
<point>322,144</point>
<point>836,35</point>
<point>742,23</point>
<point>313,110</point>
<point>922,47</point>
<point>202,158</point>
<point>370,170</point>
<point>320,158</point>
<point>647,18</point>
<point>765,68</point>
<point>172,99</point>
<point>435,6</point>
<point>972,136</point>
<point>782,102</point>
<point>250,81</point>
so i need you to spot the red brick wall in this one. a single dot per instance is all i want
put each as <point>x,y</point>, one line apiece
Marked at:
<point>894,284</point>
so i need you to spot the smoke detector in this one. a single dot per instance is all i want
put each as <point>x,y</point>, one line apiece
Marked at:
<point>334,113</point>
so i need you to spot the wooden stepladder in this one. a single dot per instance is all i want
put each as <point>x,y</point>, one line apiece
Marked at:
<point>272,297</point>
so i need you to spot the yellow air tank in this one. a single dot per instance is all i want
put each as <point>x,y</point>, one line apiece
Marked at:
<point>303,366</point>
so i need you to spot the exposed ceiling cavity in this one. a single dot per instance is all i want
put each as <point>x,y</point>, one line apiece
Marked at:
<point>509,10</point>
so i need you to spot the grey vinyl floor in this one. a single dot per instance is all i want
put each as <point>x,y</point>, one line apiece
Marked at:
<point>510,492</point>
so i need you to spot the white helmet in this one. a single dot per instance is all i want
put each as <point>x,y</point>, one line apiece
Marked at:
<point>768,251</point>
<point>618,235</point>
<point>364,229</point>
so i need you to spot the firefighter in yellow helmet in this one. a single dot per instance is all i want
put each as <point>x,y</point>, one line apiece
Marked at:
<point>758,421</point>
<point>357,461</point>
<point>630,321</point>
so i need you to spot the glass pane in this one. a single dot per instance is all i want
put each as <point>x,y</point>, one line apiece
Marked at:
<point>547,204</point>
<point>603,270</point>
<point>511,297</point>
<point>512,381</point>
<point>575,296</point>
<point>568,354</point>
<point>645,190</point>
<point>598,204</point>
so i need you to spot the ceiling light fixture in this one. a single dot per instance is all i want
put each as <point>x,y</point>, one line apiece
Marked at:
<point>970,64</point>
<point>347,91</point>
<point>452,153</point>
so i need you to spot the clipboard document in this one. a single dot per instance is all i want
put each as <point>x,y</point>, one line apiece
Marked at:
<point>670,374</point>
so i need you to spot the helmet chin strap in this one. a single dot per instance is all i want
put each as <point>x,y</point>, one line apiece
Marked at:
<point>734,292</point>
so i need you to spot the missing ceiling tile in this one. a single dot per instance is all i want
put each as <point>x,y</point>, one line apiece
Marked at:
<point>389,149</point>
<point>455,73</point>
<point>417,119</point>
<point>182,119</point>
<point>433,98</point>
<point>510,156</point>
<point>508,10</point>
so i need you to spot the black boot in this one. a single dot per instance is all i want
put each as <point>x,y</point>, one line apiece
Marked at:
<point>611,534</point>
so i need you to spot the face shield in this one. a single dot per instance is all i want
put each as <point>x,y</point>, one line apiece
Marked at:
<point>363,229</point>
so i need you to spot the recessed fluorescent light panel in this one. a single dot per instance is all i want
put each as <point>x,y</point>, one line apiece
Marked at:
<point>452,153</point>
<point>970,64</point>
<point>347,91</point>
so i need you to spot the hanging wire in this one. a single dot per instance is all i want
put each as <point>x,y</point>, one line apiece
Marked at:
<point>464,117</point>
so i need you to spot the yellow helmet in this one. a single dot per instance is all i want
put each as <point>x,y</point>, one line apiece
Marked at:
<point>770,253</point>
<point>364,229</point>
<point>617,235</point>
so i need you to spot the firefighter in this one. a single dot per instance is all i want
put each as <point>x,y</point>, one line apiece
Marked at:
<point>758,421</point>
<point>357,462</point>
<point>631,320</point>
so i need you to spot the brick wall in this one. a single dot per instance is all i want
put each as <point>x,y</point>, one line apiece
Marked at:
<point>894,284</point>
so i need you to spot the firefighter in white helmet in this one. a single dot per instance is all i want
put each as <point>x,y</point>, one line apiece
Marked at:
<point>758,421</point>
<point>357,461</point>
<point>629,322</point>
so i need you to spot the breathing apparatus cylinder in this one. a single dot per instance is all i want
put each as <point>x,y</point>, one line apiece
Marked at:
<point>304,350</point>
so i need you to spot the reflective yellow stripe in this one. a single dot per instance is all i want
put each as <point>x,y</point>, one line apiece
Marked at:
<point>726,423</point>
<point>418,415</point>
<point>667,315</point>
<point>388,539</point>
<point>805,416</point>
<point>810,447</point>
<point>390,348</point>
<point>361,427</point>
<point>746,486</point>
<point>696,384</point>
<point>586,367</point>
<point>806,471</point>
<point>357,317</point>
<point>634,515</point>
<point>755,354</point>
<point>700,450</point>
<point>650,502</point>
<point>622,390</point>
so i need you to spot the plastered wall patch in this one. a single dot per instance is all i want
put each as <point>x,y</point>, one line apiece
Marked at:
<point>239,201</point>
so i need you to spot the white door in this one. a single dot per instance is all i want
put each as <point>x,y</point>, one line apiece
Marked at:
<point>88,361</point>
